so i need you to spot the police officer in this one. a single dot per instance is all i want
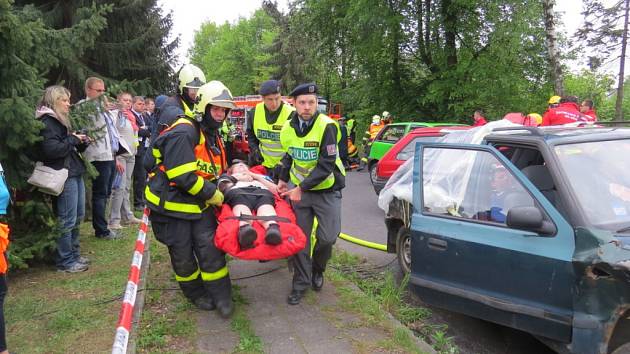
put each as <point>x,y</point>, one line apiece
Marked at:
<point>263,128</point>
<point>189,80</point>
<point>316,175</point>
<point>182,192</point>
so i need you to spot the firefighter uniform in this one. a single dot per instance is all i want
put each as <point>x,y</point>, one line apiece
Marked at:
<point>181,193</point>
<point>312,162</point>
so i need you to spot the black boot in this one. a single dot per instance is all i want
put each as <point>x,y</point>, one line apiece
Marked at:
<point>204,303</point>
<point>221,291</point>
<point>246,236</point>
<point>272,236</point>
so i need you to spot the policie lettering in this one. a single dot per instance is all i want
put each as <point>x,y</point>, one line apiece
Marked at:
<point>302,154</point>
<point>269,135</point>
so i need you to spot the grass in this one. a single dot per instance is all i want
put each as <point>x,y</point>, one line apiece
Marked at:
<point>248,341</point>
<point>51,312</point>
<point>383,293</point>
<point>168,320</point>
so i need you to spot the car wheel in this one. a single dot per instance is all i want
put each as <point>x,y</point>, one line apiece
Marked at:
<point>372,170</point>
<point>403,249</point>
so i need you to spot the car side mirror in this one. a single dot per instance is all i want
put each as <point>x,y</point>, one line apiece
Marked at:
<point>529,218</point>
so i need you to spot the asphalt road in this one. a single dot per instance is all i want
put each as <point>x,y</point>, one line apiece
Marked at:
<point>362,218</point>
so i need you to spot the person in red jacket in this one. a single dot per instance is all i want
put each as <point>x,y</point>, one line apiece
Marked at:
<point>479,119</point>
<point>587,109</point>
<point>567,112</point>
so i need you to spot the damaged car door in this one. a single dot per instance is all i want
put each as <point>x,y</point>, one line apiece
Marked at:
<point>487,243</point>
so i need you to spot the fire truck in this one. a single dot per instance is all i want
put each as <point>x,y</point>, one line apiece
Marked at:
<point>238,119</point>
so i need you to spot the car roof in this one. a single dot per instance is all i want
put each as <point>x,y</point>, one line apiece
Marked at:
<point>556,135</point>
<point>427,124</point>
<point>437,130</point>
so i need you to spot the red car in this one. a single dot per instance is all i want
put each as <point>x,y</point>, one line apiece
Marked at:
<point>403,150</point>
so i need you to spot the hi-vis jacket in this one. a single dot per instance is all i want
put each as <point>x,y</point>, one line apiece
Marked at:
<point>268,134</point>
<point>312,160</point>
<point>187,164</point>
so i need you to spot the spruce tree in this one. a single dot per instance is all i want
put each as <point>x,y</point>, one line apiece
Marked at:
<point>132,52</point>
<point>29,49</point>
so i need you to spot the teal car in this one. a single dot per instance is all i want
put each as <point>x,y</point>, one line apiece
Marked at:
<point>530,229</point>
<point>390,135</point>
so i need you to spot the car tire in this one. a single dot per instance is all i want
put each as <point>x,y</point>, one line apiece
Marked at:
<point>403,250</point>
<point>373,177</point>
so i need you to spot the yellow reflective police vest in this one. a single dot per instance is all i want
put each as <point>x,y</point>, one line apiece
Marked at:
<point>305,151</point>
<point>269,134</point>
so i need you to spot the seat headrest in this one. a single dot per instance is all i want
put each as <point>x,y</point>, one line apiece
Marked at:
<point>539,175</point>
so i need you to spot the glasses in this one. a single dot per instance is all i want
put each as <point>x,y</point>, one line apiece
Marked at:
<point>99,90</point>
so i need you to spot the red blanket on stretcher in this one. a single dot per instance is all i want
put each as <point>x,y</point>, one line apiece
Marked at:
<point>293,239</point>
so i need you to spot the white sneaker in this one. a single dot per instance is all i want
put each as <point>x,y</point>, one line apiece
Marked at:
<point>115,226</point>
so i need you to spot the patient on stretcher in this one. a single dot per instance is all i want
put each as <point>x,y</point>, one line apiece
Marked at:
<point>245,191</point>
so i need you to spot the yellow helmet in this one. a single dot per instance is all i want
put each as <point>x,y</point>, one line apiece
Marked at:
<point>190,76</point>
<point>535,118</point>
<point>216,94</point>
<point>554,99</point>
<point>376,119</point>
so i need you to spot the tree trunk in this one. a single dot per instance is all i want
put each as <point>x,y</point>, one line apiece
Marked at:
<point>622,61</point>
<point>552,49</point>
<point>449,18</point>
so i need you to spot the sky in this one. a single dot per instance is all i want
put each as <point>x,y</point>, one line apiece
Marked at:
<point>188,15</point>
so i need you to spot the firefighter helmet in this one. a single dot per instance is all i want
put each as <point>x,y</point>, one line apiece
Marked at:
<point>386,115</point>
<point>376,119</point>
<point>216,94</point>
<point>190,76</point>
<point>554,99</point>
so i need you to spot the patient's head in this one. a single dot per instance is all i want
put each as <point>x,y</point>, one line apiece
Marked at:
<point>238,167</point>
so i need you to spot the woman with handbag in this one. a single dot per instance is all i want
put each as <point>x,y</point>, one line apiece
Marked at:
<point>60,149</point>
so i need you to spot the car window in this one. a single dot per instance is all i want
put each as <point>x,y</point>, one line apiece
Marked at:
<point>471,185</point>
<point>407,152</point>
<point>392,134</point>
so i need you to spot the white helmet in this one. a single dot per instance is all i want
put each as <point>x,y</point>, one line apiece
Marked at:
<point>386,115</point>
<point>190,76</point>
<point>376,119</point>
<point>216,94</point>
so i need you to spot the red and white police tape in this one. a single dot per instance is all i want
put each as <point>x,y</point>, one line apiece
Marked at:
<point>129,300</point>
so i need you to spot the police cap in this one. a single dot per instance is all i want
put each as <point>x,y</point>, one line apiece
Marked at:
<point>304,89</point>
<point>269,87</point>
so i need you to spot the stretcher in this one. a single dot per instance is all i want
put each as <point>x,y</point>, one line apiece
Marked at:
<point>293,239</point>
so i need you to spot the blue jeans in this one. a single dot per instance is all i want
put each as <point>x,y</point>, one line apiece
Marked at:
<point>70,207</point>
<point>101,189</point>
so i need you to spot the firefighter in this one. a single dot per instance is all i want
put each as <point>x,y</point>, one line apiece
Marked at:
<point>368,138</point>
<point>387,118</point>
<point>316,175</point>
<point>351,125</point>
<point>182,194</point>
<point>263,128</point>
<point>189,80</point>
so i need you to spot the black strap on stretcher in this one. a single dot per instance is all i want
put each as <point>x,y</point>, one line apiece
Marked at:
<point>256,217</point>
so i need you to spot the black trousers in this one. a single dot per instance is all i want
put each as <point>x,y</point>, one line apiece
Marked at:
<point>3,292</point>
<point>139,180</point>
<point>200,267</point>
<point>326,206</point>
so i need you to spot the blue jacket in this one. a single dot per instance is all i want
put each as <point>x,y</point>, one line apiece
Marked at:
<point>4,193</point>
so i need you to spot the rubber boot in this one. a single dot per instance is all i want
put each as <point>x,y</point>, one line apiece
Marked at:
<point>221,291</point>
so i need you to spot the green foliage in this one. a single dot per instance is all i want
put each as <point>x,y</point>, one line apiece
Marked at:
<point>236,53</point>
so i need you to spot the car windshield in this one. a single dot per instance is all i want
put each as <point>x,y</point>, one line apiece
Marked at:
<point>407,152</point>
<point>599,176</point>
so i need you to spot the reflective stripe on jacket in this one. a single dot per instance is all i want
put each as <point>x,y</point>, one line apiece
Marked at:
<point>305,151</point>
<point>269,134</point>
<point>181,190</point>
